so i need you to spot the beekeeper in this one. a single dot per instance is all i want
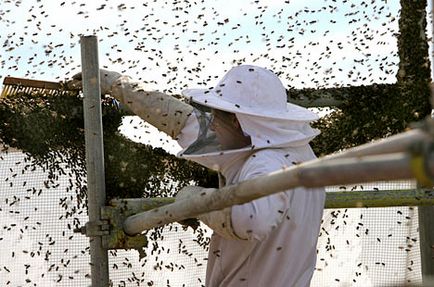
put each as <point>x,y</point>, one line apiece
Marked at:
<point>247,129</point>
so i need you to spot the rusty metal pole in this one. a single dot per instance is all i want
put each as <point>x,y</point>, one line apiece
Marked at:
<point>94,158</point>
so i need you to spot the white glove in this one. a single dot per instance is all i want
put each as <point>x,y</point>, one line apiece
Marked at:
<point>166,113</point>
<point>220,220</point>
<point>107,79</point>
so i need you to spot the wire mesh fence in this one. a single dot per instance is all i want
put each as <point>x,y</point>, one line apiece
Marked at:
<point>37,219</point>
<point>38,215</point>
<point>369,246</point>
<point>357,247</point>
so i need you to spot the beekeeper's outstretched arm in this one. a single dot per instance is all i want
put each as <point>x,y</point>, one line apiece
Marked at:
<point>163,111</point>
<point>170,116</point>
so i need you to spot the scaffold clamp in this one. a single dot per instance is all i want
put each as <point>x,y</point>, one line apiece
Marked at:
<point>420,154</point>
<point>94,228</point>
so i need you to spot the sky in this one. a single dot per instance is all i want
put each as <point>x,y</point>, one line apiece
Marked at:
<point>194,42</point>
<point>173,45</point>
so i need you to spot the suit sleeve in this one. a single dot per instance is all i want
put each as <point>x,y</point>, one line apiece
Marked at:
<point>255,220</point>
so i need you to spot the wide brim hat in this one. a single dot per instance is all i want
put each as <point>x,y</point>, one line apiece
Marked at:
<point>250,90</point>
<point>258,99</point>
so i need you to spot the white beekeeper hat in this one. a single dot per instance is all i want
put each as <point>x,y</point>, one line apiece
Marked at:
<point>258,99</point>
<point>253,91</point>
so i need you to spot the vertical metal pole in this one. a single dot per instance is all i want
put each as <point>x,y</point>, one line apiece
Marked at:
<point>426,237</point>
<point>94,155</point>
<point>426,217</point>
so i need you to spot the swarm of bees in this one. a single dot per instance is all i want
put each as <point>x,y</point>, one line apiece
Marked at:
<point>357,52</point>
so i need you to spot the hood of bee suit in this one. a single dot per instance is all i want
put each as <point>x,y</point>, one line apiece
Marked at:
<point>258,99</point>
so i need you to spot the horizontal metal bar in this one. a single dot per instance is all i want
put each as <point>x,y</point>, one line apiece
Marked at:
<point>379,198</point>
<point>334,200</point>
<point>310,174</point>
<point>397,143</point>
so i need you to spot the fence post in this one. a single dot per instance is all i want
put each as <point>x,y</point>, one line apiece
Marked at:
<point>426,213</point>
<point>94,158</point>
<point>426,238</point>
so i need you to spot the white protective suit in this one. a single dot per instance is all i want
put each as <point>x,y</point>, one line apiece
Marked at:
<point>270,241</point>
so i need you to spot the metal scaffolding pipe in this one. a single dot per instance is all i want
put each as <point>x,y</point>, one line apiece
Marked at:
<point>397,143</point>
<point>334,199</point>
<point>426,213</point>
<point>316,173</point>
<point>94,155</point>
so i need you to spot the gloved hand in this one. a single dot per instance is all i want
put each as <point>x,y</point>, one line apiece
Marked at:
<point>107,79</point>
<point>220,220</point>
<point>166,113</point>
